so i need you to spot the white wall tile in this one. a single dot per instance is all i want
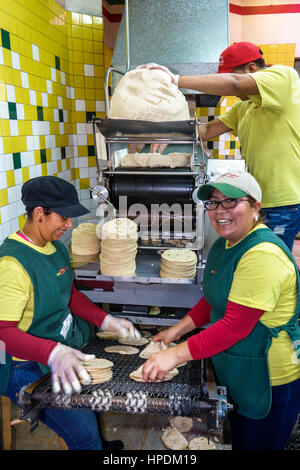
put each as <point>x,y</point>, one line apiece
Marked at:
<point>60,102</point>
<point>1,56</point>
<point>6,230</point>
<point>18,177</point>
<point>63,77</point>
<point>89,70</point>
<point>20,111</point>
<point>10,93</point>
<point>14,129</point>
<point>49,87</point>
<point>35,52</point>
<point>32,96</point>
<point>80,105</point>
<point>45,100</point>
<point>15,60</point>
<point>4,212</point>
<point>24,80</point>
<point>100,106</point>
<point>4,113</point>
<point>53,74</point>
<point>81,128</point>
<point>3,182</point>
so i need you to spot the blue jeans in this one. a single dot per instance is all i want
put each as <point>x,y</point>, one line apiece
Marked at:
<point>284,221</point>
<point>78,428</point>
<point>273,431</point>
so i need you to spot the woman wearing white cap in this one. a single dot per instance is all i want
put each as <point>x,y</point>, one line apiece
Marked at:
<point>251,298</point>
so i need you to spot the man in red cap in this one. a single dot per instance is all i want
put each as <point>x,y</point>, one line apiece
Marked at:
<point>267,123</point>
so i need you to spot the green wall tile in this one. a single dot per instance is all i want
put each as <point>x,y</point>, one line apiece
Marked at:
<point>43,156</point>
<point>12,109</point>
<point>91,150</point>
<point>17,160</point>
<point>5,38</point>
<point>40,113</point>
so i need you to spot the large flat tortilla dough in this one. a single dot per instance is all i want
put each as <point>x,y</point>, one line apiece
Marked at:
<point>172,439</point>
<point>148,95</point>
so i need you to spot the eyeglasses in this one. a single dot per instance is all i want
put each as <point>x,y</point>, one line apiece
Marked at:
<point>229,203</point>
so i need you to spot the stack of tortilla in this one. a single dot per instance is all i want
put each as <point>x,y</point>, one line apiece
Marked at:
<point>85,240</point>
<point>99,370</point>
<point>178,263</point>
<point>118,247</point>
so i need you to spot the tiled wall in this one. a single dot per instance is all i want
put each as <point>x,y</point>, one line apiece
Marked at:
<point>51,84</point>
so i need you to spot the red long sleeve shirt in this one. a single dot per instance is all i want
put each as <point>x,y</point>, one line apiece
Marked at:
<point>236,325</point>
<point>25,346</point>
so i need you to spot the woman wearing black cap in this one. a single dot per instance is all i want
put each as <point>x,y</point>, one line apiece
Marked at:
<point>44,319</point>
<point>252,300</point>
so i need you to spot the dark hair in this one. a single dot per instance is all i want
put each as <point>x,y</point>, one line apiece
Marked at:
<point>259,62</point>
<point>261,217</point>
<point>29,212</point>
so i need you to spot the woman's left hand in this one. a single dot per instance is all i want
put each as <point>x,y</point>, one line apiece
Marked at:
<point>156,367</point>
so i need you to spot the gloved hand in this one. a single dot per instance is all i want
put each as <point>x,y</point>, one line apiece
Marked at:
<point>153,66</point>
<point>67,369</point>
<point>120,325</point>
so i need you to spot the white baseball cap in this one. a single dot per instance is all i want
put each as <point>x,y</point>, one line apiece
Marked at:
<point>232,184</point>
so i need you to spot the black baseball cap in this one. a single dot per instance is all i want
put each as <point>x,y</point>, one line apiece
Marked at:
<point>53,193</point>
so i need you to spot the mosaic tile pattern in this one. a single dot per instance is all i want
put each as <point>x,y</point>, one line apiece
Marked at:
<point>51,85</point>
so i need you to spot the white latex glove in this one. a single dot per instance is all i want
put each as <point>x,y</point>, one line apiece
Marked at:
<point>66,369</point>
<point>120,325</point>
<point>153,66</point>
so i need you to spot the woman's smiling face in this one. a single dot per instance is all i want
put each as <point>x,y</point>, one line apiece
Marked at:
<point>233,224</point>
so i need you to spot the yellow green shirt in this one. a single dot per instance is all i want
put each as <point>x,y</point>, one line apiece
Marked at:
<point>268,127</point>
<point>274,290</point>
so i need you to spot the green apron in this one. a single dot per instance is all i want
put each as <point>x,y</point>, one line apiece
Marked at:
<point>52,278</point>
<point>243,368</point>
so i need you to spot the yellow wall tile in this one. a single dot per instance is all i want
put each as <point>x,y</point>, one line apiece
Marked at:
<point>4,127</point>
<point>84,183</point>
<point>25,174</point>
<point>3,197</point>
<point>10,178</point>
<point>44,169</point>
<point>22,218</point>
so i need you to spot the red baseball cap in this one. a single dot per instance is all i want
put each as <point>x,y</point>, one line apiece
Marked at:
<point>238,53</point>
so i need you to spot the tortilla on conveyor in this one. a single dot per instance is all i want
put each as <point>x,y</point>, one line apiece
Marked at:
<point>138,377</point>
<point>151,348</point>
<point>121,349</point>
<point>172,439</point>
<point>133,341</point>
<point>108,335</point>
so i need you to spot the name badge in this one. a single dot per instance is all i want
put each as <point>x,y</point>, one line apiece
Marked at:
<point>66,325</point>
